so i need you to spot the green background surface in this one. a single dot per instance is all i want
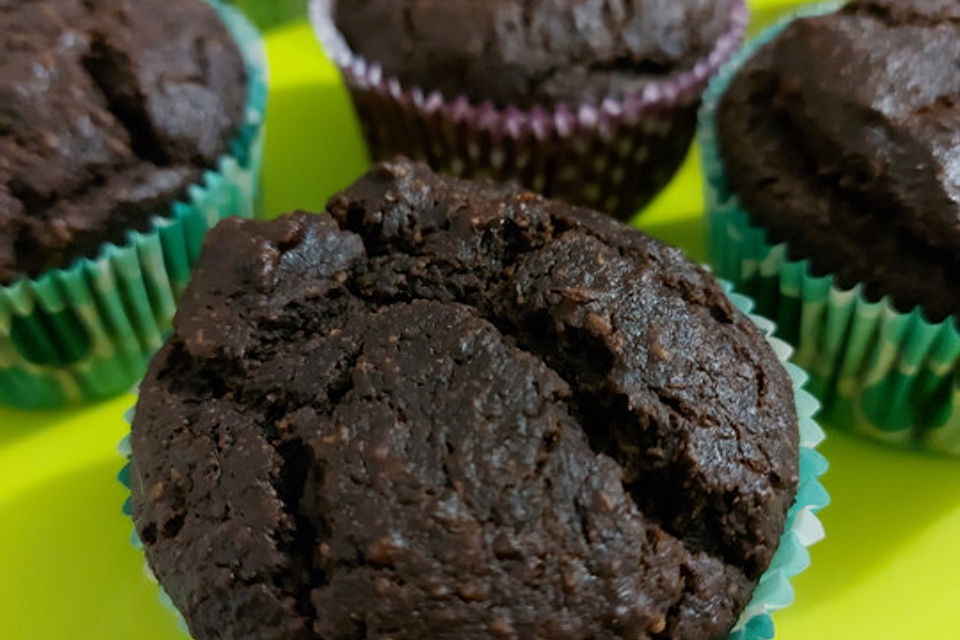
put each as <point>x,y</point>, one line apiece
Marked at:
<point>889,568</point>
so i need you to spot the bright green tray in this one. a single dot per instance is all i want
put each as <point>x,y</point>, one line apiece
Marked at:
<point>888,570</point>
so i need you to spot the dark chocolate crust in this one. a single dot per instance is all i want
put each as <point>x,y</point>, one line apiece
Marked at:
<point>455,410</point>
<point>109,109</point>
<point>528,52</point>
<point>841,137</point>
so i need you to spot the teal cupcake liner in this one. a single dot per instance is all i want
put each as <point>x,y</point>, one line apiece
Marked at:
<point>880,372</point>
<point>124,477</point>
<point>86,332</point>
<point>802,529</point>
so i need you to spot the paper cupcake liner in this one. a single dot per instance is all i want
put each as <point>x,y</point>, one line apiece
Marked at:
<point>87,331</point>
<point>613,157</point>
<point>880,372</point>
<point>802,529</point>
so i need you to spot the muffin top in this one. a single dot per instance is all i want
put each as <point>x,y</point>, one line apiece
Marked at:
<point>527,52</point>
<point>109,109</point>
<point>841,138</point>
<point>455,410</point>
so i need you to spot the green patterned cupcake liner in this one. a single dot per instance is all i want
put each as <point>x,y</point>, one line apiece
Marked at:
<point>86,332</point>
<point>880,372</point>
<point>802,529</point>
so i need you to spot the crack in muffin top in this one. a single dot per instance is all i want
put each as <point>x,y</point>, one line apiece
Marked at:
<point>528,52</point>
<point>109,110</point>
<point>454,410</point>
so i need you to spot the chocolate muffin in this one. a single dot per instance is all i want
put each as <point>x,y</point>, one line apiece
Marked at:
<point>109,110</point>
<point>840,138</point>
<point>593,103</point>
<point>533,52</point>
<point>457,410</point>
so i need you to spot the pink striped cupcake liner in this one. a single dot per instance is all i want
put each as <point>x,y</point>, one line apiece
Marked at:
<point>614,157</point>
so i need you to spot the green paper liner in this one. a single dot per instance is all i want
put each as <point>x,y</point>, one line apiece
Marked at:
<point>801,530</point>
<point>880,372</point>
<point>87,331</point>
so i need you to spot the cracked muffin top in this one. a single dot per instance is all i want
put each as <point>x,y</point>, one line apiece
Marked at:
<point>527,52</point>
<point>456,410</point>
<point>841,137</point>
<point>109,109</point>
